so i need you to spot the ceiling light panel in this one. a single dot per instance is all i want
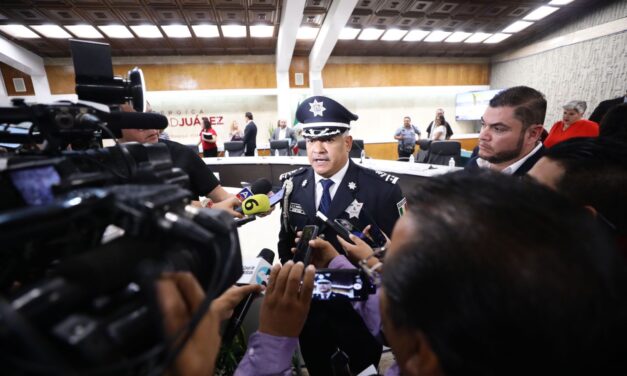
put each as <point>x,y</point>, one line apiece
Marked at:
<point>560,2</point>
<point>84,31</point>
<point>177,31</point>
<point>497,38</point>
<point>147,31</point>
<point>349,33</point>
<point>206,31</point>
<point>457,37</point>
<point>262,31</point>
<point>116,31</point>
<point>19,31</point>
<point>416,35</point>
<point>540,13</point>
<point>517,26</point>
<point>234,31</point>
<point>394,35</point>
<point>370,34</point>
<point>51,31</point>
<point>437,36</point>
<point>478,37</point>
<point>307,32</point>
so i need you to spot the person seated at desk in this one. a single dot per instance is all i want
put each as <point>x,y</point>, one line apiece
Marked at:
<point>572,125</point>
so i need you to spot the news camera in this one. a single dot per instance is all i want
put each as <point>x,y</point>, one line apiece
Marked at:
<point>86,230</point>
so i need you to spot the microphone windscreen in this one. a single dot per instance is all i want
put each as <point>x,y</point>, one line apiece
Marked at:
<point>256,204</point>
<point>262,185</point>
<point>267,255</point>
<point>136,120</point>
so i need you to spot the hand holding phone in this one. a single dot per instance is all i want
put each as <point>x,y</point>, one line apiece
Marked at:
<point>303,250</point>
<point>347,284</point>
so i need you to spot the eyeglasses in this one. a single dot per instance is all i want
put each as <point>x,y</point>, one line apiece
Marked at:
<point>375,271</point>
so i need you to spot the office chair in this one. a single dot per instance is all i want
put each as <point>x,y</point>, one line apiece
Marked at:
<point>235,148</point>
<point>302,147</point>
<point>423,153</point>
<point>440,152</point>
<point>283,146</point>
<point>358,146</point>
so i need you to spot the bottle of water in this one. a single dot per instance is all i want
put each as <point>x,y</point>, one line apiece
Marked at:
<point>411,158</point>
<point>226,153</point>
<point>451,162</point>
<point>276,152</point>
<point>363,155</point>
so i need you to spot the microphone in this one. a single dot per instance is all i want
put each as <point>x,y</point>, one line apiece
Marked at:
<point>254,272</point>
<point>261,185</point>
<point>256,204</point>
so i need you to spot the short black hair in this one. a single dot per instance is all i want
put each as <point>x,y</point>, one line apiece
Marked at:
<point>249,115</point>
<point>529,104</point>
<point>595,174</point>
<point>505,277</point>
<point>614,123</point>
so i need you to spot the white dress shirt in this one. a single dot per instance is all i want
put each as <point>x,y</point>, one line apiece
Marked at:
<point>337,179</point>
<point>282,133</point>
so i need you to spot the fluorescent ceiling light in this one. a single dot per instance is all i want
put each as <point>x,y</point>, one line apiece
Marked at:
<point>147,31</point>
<point>560,2</point>
<point>348,33</point>
<point>478,38</point>
<point>370,34</point>
<point>234,31</point>
<point>177,31</point>
<point>206,31</point>
<point>84,31</point>
<point>394,34</point>
<point>52,31</point>
<point>517,26</point>
<point>540,13</point>
<point>18,31</point>
<point>496,38</point>
<point>415,35</point>
<point>116,31</point>
<point>457,37</point>
<point>437,36</point>
<point>261,31</point>
<point>307,32</point>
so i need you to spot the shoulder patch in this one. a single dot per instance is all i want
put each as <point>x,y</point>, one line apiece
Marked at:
<point>292,173</point>
<point>387,177</point>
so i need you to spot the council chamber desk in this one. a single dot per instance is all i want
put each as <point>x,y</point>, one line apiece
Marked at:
<point>235,170</point>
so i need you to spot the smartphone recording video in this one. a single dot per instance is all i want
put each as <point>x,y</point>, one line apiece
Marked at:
<point>303,251</point>
<point>347,284</point>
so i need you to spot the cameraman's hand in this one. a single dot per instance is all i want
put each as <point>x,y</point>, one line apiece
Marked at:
<point>228,205</point>
<point>323,252</point>
<point>358,251</point>
<point>286,305</point>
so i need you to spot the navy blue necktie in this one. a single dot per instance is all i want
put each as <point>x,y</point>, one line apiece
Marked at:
<point>325,201</point>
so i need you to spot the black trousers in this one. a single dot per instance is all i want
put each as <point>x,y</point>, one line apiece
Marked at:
<point>335,324</point>
<point>210,153</point>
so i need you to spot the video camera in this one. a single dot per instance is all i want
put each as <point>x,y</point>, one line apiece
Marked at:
<point>85,231</point>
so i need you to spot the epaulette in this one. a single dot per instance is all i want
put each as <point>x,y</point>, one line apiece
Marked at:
<point>292,173</point>
<point>384,176</point>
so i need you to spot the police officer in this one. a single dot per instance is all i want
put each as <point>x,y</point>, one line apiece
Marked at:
<point>339,188</point>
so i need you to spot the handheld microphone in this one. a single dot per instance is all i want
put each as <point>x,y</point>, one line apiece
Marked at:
<point>256,272</point>
<point>261,185</point>
<point>256,204</point>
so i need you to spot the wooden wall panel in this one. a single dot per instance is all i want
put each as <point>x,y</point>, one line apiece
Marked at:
<point>374,75</point>
<point>162,77</point>
<point>384,150</point>
<point>299,64</point>
<point>9,73</point>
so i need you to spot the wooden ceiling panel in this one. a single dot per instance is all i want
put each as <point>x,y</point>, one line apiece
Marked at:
<point>370,6</point>
<point>25,15</point>
<point>116,3</point>
<point>313,19</point>
<point>200,15</point>
<point>100,16</point>
<point>317,5</point>
<point>169,16</point>
<point>232,16</point>
<point>135,16</point>
<point>230,3</point>
<point>359,21</point>
<point>261,16</point>
<point>63,16</point>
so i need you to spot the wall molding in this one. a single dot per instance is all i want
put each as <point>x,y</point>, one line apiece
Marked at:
<point>406,60</point>
<point>169,60</point>
<point>598,31</point>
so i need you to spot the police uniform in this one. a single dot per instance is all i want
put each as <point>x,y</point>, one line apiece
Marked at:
<point>363,197</point>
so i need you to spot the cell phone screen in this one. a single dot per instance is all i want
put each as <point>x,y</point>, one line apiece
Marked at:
<point>275,198</point>
<point>303,251</point>
<point>347,284</point>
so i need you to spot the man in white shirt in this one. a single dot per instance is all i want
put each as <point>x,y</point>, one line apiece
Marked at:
<point>511,127</point>
<point>283,132</point>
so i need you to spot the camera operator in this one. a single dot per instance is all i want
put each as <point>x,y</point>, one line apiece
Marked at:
<point>270,349</point>
<point>202,180</point>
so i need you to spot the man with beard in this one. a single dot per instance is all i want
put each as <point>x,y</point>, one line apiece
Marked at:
<point>511,127</point>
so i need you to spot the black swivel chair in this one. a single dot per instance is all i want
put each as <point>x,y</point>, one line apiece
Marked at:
<point>235,148</point>
<point>441,152</point>
<point>358,146</point>
<point>283,146</point>
<point>423,153</point>
<point>302,147</point>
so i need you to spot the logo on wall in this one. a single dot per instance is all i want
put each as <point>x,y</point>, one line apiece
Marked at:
<point>179,118</point>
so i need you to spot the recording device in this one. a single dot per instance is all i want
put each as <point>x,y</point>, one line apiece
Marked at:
<point>346,284</point>
<point>256,272</point>
<point>303,250</point>
<point>376,239</point>
<point>73,301</point>
<point>338,228</point>
<point>260,186</point>
<point>277,197</point>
